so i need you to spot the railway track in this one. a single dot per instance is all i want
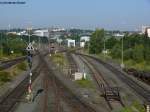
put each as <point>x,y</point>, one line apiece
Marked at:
<point>111,94</point>
<point>9,63</point>
<point>140,90</point>
<point>10,60</point>
<point>72,64</point>
<point>10,100</point>
<point>63,93</point>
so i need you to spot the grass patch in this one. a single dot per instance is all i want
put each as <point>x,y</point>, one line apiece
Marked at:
<point>11,56</point>
<point>85,83</point>
<point>142,66</point>
<point>59,59</point>
<point>16,70</point>
<point>22,66</point>
<point>135,107</point>
<point>5,76</point>
<point>1,68</point>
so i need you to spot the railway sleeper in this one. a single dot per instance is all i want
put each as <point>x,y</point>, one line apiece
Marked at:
<point>111,93</point>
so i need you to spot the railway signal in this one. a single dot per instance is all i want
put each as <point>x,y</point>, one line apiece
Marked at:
<point>30,49</point>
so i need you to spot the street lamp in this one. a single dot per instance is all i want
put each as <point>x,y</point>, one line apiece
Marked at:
<point>104,46</point>
<point>8,49</point>
<point>122,54</point>
<point>96,37</point>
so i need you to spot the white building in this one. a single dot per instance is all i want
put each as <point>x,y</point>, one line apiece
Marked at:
<point>71,43</point>
<point>83,40</point>
<point>14,33</point>
<point>41,33</point>
<point>148,32</point>
<point>144,29</point>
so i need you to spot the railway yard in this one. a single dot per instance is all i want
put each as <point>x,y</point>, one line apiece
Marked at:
<point>75,56</point>
<point>102,87</point>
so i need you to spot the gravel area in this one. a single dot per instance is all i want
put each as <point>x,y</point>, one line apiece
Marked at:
<point>82,67</point>
<point>127,94</point>
<point>94,99</point>
<point>115,104</point>
<point>117,66</point>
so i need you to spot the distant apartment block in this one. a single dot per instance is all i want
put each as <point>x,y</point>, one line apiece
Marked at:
<point>118,35</point>
<point>58,29</point>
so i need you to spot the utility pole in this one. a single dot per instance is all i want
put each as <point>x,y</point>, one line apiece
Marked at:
<point>49,45</point>
<point>1,46</point>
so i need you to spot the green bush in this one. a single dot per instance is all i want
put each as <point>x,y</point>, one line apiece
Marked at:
<point>5,76</point>
<point>138,53</point>
<point>116,51</point>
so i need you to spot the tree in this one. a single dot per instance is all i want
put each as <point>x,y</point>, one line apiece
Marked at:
<point>128,54</point>
<point>147,53</point>
<point>111,42</point>
<point>138,53</point>
<point>116,51</point>
<point>96,41</point>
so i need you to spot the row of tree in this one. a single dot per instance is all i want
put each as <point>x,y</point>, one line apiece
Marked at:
<point>135,46</point>
<point>17,44</point>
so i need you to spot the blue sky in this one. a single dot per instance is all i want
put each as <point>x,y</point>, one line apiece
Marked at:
<point>89,14</point>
